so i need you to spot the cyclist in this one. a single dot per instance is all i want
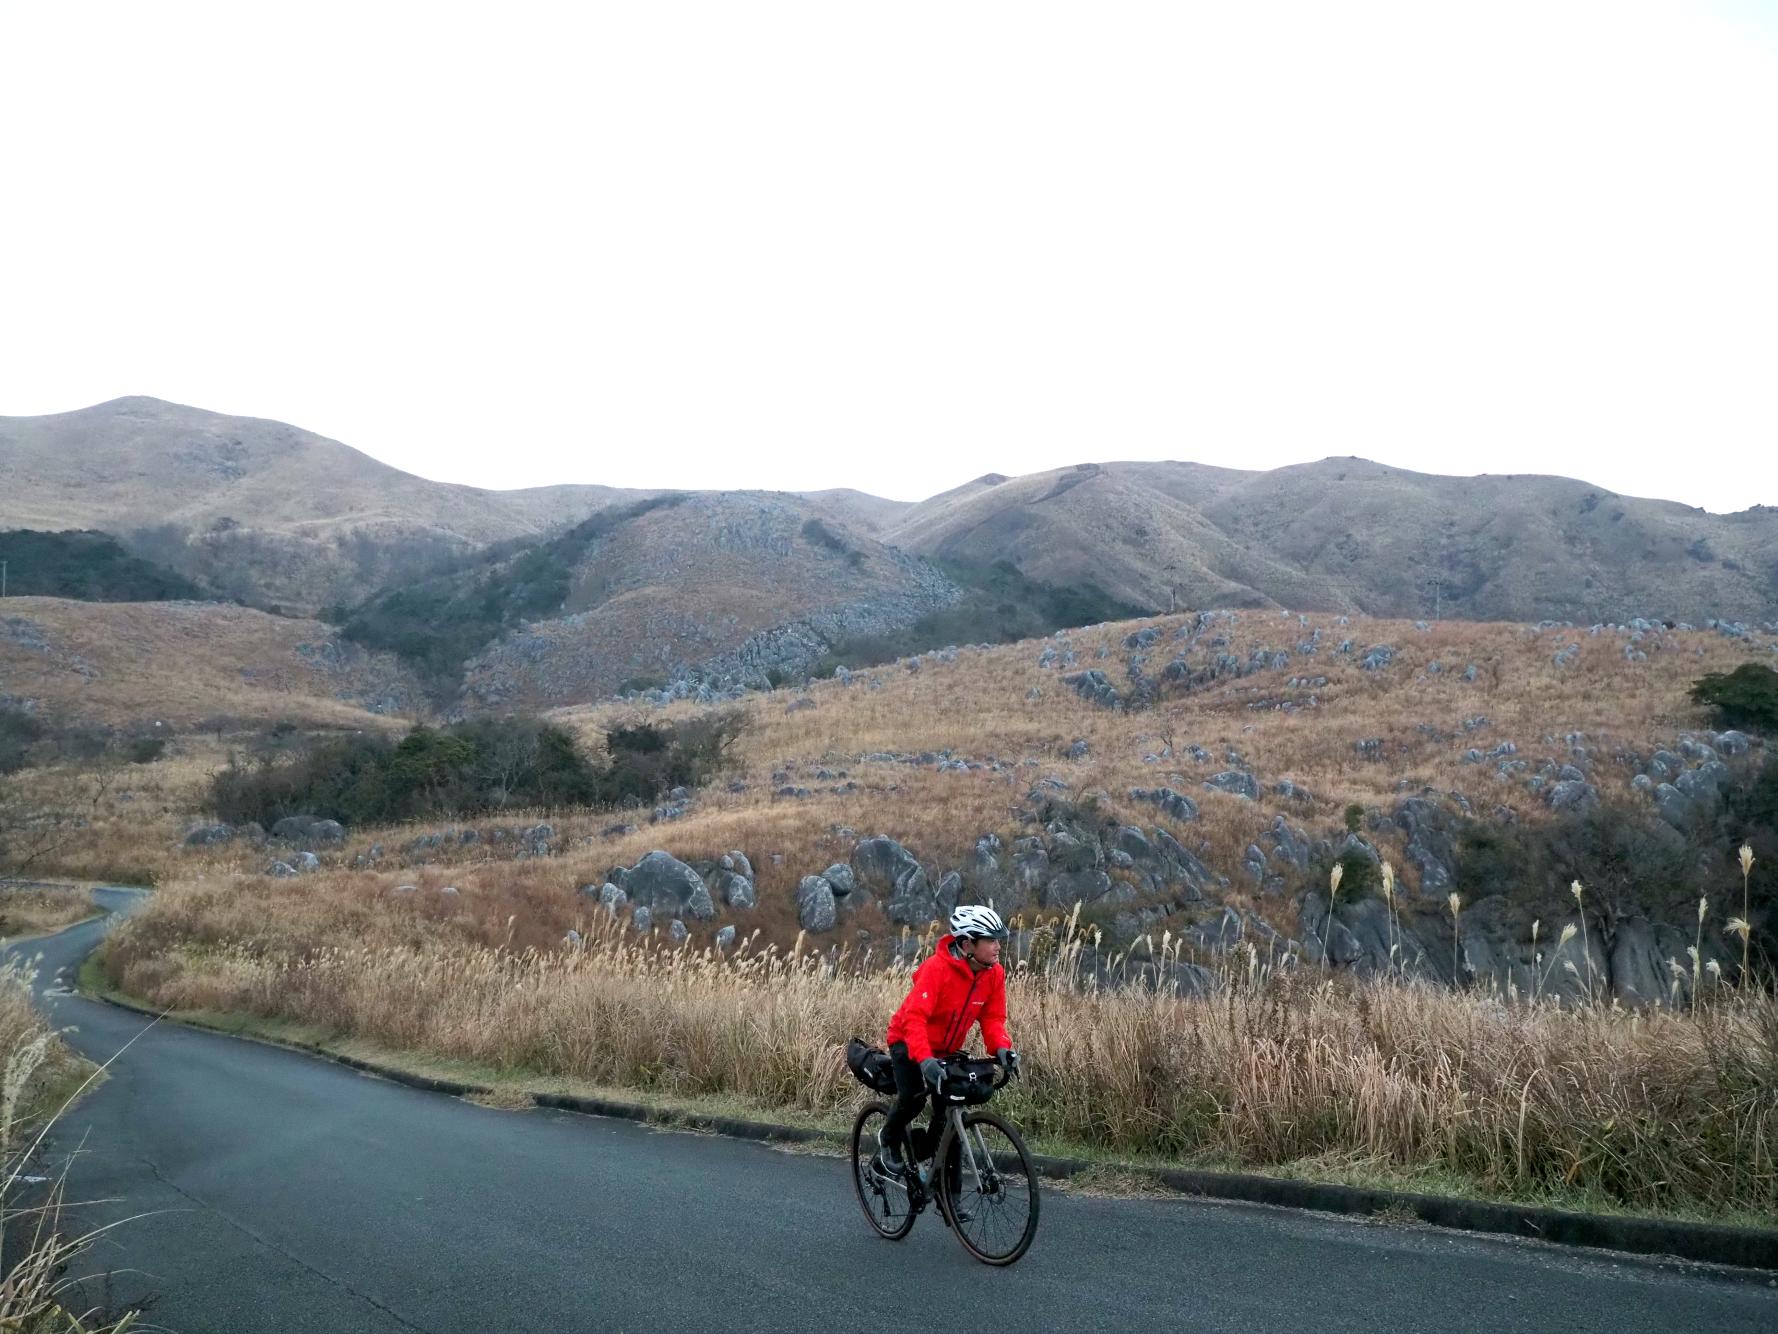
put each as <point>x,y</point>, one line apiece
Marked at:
<point>960,985</point>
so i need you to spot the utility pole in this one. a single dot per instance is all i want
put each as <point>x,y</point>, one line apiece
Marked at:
<point>2,578</point>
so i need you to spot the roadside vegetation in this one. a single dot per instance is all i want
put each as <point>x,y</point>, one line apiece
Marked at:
<point>31,910</point>
<point>39,1076</point>
<point>1665,1111</point>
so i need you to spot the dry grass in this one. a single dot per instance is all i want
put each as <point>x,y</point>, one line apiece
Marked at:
<point>1660,1111</point>
<point>39,1075</point>
<point>30,910</point>
<point>113,822</point>
<point>179,663</point>
<point>977,708</point>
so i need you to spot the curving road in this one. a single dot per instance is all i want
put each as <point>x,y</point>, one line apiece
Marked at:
<point>285,1193</point>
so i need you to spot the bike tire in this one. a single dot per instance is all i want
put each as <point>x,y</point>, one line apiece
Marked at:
<point>879,1202</point>
<point>1017,1169</point>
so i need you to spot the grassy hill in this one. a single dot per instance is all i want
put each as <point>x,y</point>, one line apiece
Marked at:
<point>1358,537</point>
<point>188,663</point>
<point>733,589</point>
<point>258,509</point>
<point>1446,755</point>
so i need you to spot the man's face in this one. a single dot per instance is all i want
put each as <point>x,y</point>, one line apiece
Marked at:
<point>985,952</point>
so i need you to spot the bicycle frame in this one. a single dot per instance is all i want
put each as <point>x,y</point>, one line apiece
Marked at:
<point>969,1147</point>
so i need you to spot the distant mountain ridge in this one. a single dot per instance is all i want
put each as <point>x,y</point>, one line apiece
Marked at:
<point>1354,536</point>
<point>258,509</point>
<point>266,513</point>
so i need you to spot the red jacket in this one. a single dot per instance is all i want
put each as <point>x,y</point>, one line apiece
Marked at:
<point>946,1001</point>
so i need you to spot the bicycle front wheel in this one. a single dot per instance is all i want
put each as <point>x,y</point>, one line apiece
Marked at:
<point>883,1198</point>
<point>988,1188</point>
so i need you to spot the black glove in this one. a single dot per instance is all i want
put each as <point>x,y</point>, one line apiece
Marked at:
<point>1009,1059</point>
<point>933,1071</point>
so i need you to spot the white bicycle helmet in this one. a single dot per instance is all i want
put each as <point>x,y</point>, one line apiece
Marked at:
<point>974,922</point>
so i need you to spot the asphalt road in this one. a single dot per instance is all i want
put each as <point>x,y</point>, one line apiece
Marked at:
<point>273,1191</point>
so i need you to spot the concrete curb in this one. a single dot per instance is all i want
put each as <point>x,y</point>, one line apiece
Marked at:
<point>1706,1243</point>
<point>732,1126</point>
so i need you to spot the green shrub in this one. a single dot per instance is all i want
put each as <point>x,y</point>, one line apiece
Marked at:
<point>823,536</point>
<point>1746,697</point>
<point>89,566</point>
<point>999,606</point>
<point>470,768</point>
<point>1629,860</point>
<point>145,749</point>
<point>1360,877</point>
<point>19,731</point>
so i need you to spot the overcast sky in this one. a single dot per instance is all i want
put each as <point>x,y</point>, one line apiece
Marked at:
<point>894,247</point>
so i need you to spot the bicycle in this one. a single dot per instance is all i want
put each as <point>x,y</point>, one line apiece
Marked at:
<point>987,1190</point>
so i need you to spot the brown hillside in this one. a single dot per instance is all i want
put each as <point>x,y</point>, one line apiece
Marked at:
<point>182,663</point>
<point>261,509</point>
<point>944,750</point>
<point>1349,535</point>
<point>889,733</point>
<point>725,586</point>
<point>857,509</point>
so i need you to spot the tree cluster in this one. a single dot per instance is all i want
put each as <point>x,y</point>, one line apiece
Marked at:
<point>469,768</point>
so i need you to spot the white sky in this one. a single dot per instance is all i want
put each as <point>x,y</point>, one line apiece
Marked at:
<point>894,247</point>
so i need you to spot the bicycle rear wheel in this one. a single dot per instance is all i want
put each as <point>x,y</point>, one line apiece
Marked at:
<point>988,1188</point>
<point>883,1198</point>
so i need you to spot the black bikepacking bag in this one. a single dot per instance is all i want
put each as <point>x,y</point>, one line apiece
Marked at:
<point>871,1066</point>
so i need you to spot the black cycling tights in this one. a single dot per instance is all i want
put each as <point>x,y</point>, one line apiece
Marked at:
<point>911,1095</point>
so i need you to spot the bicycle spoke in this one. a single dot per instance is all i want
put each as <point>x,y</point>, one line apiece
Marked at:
<point>992,1194</point>
<point>884,1199</point>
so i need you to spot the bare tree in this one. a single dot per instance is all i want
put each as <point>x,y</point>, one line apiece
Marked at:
<point>32,835</point>
<point>505,764</point>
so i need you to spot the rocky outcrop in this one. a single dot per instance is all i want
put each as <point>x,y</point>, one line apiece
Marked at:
<point>661,883</point>
<point>1175,804</point>
<point>1095,687</point>
<point>883,867</point>
<point>815,907</point>
<point>307,831</point>
<point>1234,782</point>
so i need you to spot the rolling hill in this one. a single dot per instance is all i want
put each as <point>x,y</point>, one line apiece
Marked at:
<point>1353,536</point>
<point>559,595</point>
<point>730,589</point>
<point>256,509</point>
<point>189,663</point>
